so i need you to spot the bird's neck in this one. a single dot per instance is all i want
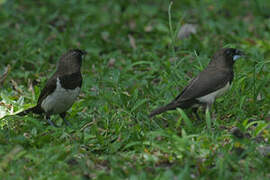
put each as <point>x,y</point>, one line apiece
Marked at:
<point>62,70</point>
<point>221,65</point>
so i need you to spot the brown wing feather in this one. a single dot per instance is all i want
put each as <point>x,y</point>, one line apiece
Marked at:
<point>69,81</point>
<point>206,82</point>
<point>48,89</point>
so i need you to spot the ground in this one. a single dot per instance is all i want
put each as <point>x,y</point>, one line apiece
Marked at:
<point>135,63</point>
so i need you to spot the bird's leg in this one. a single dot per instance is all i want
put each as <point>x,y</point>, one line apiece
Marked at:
<point>195,111</point>
<point>208,117</point>
<point>49,121</point>
<point>63,115</point>
<point>212,114</point>
<point>208,106</point>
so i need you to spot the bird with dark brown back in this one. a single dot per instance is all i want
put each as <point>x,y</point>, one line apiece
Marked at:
<point>62,89</point>
<point>212,82</point>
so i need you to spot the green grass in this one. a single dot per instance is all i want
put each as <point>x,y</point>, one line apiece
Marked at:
<point>111,136</point>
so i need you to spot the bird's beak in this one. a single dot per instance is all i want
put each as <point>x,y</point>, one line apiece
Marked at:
<point>241,53</point>
<point>238,55</point>
<point>84,52</point>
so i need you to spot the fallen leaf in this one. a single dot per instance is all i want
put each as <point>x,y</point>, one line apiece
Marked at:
<point>4,76</point>
<point>111,62</point>
<point>186,30</point>
<point>31,88</point>
<point>132,24</point>
<point>132,42</point>
<point>259,97</point>
<point>16,87</point>
<point>148,28</point>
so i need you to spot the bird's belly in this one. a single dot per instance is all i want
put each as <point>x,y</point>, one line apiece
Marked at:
<point>60,100</point>
<point>210,98</point>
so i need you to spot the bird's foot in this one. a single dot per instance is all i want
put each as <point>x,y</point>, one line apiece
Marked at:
<point>198,117</point>
<point>52,123</point>
<point>195,111</point>
<point>66,122</point>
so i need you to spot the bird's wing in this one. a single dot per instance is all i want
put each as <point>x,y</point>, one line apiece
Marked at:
<point>47,90</point>
<point>69,81</point>
<point>206,82</point>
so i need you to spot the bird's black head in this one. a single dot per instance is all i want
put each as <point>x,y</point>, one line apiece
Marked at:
<point>71,61</point>
<point>226,57</point>
<point>77,54</point>
<point>232,54</point>
<point>78,51</point>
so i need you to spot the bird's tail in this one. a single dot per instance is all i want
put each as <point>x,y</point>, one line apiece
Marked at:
<point>35,110</point>
<point>170,106</point>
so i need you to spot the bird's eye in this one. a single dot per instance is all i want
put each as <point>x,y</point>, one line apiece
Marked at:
<point>237,52</point>
<point>228,52</point>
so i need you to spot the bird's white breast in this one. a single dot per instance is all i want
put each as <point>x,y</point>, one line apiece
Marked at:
<point>210,98</point>
<point>60,100</point>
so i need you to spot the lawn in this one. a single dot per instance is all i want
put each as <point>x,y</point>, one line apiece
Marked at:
<point>135,63</point>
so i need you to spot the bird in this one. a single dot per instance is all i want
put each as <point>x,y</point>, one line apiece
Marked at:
<point>62,89</point>
<point>209,84</point>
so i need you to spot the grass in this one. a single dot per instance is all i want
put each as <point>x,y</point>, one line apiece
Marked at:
<point>135,63</point>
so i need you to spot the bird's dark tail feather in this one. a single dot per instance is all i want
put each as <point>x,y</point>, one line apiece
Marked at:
<point>162,109</point>
<point>35,110</point>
